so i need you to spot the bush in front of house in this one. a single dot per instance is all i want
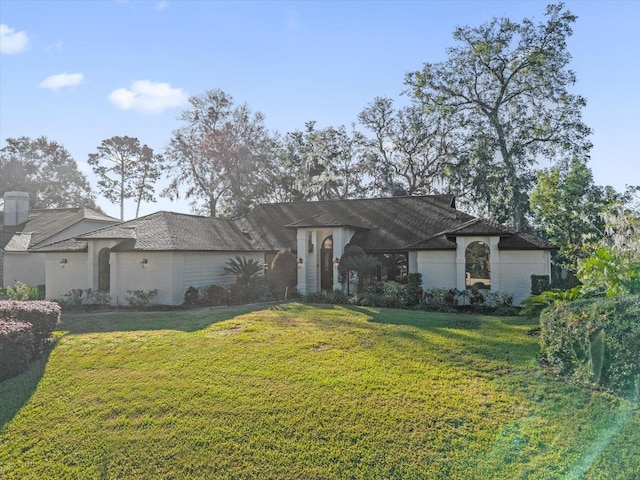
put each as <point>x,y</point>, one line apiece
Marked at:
<point>25,333</point>
<point>283,275</point>
<point>83,298</point>
<point>140,298</point>
<point>23,292</point>
<point>594,342</point>
<point>17,347</point>
<point>41,314</point>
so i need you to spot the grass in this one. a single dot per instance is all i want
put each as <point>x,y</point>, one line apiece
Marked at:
<point>298,391</point>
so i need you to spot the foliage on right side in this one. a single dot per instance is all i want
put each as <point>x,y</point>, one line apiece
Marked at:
<point>594,342</point>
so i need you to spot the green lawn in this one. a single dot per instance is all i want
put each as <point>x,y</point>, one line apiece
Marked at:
<point>297,391</point>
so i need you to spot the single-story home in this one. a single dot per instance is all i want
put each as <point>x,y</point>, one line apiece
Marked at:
<point>171,252</point>
<point>22,230</point>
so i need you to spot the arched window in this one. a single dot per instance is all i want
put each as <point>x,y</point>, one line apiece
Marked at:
<point>104,270</point>
<point>478,266</point>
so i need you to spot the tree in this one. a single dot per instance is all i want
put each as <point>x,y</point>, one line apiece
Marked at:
<point>408,152</point>
<point>222,155</point>
<point>321,165</point>
<point>566,207</point>
<point>125,169</point>
<point>504,90</point>
<point>44,169</point>
<point>613,269</point>
<point>356,260</point>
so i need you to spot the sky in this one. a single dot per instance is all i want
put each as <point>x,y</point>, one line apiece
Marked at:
<point>80,72</point>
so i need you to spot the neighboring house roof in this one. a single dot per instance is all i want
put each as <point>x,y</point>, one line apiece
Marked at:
<point>45,225</point>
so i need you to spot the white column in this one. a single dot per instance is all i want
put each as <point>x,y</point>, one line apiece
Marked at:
<point>494,259</point>
<point>461,246</point>
<point>301,240</point>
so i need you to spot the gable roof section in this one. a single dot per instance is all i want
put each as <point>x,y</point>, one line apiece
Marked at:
<point>44,224</point>
<point>380,223</point>
<point>164,231</point>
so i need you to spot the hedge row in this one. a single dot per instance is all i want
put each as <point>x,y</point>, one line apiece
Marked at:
<point>25,332</point>
<point>595,342</point>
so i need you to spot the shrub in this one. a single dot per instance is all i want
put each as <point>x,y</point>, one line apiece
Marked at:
<point>23,292</point>
<point>244,270</point>
<point>535,304</point>
<point>595,342</point>
<point>42,315</point>
<point>283,275</point>
<point>17,347</point>
<point>78,297</point>
<point>215,295</point>
<point>414,289</point>
<point>335,297</point>
<point>140,298</point>
<point>191,297</point>
<point>539,284</point>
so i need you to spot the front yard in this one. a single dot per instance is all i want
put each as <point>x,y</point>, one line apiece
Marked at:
<point>297,391</point>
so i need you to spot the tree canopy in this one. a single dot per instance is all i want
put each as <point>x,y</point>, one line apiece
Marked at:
<point>44,169</point>
<point>125,169</point>
<point>221,154</point>
<point>505,90</point>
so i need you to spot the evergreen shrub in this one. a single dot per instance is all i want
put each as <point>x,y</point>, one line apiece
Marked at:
<point>594,341</point>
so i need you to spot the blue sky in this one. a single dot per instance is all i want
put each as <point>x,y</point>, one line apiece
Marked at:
<point>80,72</point>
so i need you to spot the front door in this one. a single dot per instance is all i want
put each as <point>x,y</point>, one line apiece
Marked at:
<point>326,264</point>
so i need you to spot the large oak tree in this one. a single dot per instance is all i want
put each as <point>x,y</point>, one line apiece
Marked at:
<point>506,89</point>
<point>220,156</point>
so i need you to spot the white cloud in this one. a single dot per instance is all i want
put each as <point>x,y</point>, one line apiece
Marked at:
<point>148,97</point>
<point>61,80</point>
<point>161,5</point>
<point>12,42</point>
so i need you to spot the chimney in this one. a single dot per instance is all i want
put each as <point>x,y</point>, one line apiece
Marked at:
<point>16,208</point>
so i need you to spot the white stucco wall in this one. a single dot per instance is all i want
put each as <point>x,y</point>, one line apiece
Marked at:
<point>60,281</point>
<point>171,273</point>
<point>438,268</point>
<point>516,268</point>
<point>27,268</point>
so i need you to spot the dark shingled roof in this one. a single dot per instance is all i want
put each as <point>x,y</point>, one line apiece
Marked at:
<point>381,224</point>
<point>44,224</point>
<point>176,231</point>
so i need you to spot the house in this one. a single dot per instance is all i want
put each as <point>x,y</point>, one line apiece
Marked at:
<point>22,230</point>
<point>426,234</point>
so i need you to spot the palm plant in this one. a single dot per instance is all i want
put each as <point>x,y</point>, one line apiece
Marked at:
<point>245,270</point>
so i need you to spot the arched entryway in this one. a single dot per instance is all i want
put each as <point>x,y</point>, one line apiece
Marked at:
<point>478,266</point>
<point>326,264</point>
<point>104,270</point>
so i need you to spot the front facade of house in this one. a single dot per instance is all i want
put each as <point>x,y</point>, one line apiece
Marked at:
<point>171,252</point>
<point>23,230</point>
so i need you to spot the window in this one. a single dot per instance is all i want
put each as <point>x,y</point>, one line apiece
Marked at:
<point>104,270</point>
<point>477,266</point>
<point>393,266</point>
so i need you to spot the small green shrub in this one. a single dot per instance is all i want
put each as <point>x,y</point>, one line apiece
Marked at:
<point>539,284</point>
<point>335,297</point>
<point>78,298</point>
<point>535,304</point>
<point>140,298</point>
<point>594,342</point>
<point>215,295</point>
<point>23,292</point>
<point>191,297</point>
